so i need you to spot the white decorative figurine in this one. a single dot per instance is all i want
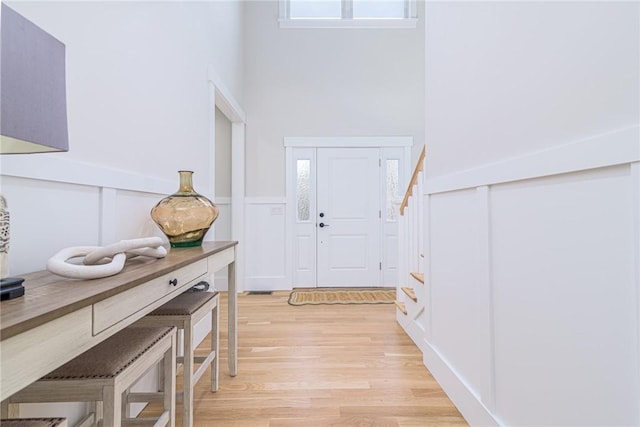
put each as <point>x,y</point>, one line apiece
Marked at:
<point>104,261</point>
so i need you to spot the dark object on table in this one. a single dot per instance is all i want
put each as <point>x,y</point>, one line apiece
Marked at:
<point>11,287</point>
<point>199,287</point>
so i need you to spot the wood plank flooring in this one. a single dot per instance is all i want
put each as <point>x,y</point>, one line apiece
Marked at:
<point>329,365</point>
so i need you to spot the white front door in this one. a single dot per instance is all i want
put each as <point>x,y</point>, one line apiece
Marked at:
<point>354,193</point>
<point>348,217</point>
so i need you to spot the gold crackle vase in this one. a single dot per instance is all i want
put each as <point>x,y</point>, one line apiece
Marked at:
<point>185,216</point>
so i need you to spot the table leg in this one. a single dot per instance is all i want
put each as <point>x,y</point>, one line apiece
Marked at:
<point>233,321</point>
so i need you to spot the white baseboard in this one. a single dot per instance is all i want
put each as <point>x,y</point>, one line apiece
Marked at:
<point>466,401</point>
<point>267,283</point>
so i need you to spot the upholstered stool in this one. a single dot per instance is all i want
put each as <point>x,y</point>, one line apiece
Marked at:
<point>184,312</point>
<point>104,372</point>
<point>34,422</point>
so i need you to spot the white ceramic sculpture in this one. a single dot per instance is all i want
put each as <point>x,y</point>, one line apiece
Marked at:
<point>104,261</point>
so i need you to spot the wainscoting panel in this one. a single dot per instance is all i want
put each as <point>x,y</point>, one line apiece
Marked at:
<point>533,278</point>
<point>56,202</point>
<point>565,300</point>
<point>265,250</point>
<point>458,320</point>
<point>46,217</point>
<point>132,216</point>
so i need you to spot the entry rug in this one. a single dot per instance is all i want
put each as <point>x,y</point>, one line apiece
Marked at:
<point>342,296</point>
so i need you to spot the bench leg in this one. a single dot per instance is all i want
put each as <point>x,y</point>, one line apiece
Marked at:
<point>112,406</point>
<point>169,381</point>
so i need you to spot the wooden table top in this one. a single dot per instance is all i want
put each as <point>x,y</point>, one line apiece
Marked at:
<point>49,296</point>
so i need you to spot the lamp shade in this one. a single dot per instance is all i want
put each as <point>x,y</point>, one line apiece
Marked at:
<point>32,88</point>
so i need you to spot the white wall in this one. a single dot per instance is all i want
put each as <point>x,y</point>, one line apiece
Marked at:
<point>324,83</point>
<point>137,81</point>
<point>223,155</point>
<point>533,196</point>
<point>225,21</point>
<point>516,77</point>
<point>317,83</point>
<point>139,110</point>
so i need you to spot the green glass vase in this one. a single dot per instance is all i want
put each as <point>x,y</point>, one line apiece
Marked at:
<point>185,216</point>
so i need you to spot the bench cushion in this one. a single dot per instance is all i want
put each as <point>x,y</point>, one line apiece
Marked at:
<point>184,304</point>
<point>112,356</point>
<point>31,422</point>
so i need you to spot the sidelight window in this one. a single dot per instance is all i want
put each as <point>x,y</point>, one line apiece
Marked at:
<point>393,192</point>
<point>303,182</point>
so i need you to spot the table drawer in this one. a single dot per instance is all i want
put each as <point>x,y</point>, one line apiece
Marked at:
<point>221,259</point>
<point>28,356</point>
<point>146,297</point>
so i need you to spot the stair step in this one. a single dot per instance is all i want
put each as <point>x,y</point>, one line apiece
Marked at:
<point>401,307</point>
<point>418,276</point>
<point>410,293</point>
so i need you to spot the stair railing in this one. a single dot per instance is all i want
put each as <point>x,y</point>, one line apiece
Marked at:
<point>414,180</point>
<point>410,294</point>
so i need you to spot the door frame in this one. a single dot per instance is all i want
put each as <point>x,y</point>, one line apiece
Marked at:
<point>291,143</point>
<point>221,97</point>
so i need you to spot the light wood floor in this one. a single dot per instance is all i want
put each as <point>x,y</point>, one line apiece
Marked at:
<point>349,365</point>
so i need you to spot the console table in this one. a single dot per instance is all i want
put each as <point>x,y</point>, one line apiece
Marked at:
<point>59,318</point>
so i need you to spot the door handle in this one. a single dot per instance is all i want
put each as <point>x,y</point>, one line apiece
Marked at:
<point>322,225</point>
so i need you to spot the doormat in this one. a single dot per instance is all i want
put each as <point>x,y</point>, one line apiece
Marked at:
<point>342,296</point>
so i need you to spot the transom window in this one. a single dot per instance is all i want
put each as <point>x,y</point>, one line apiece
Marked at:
<point>347,13</point>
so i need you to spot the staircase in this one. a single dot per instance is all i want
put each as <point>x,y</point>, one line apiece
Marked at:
<point>411,294</point>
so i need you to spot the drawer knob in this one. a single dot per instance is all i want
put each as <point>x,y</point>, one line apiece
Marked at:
<point>173,282</point>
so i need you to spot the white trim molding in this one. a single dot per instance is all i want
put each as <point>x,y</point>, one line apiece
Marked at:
<point>227,104</point>
<point>225,100</point>
<point>400,23</point>
<point>238,214</point>
<point>56,168</point>
<point>349,141</point>
<point>265,200</point>
<point>268,283</point>
<point>614,148</point>
<point>473,410</point>
<point>222,201</point>
<point>635,178</point>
